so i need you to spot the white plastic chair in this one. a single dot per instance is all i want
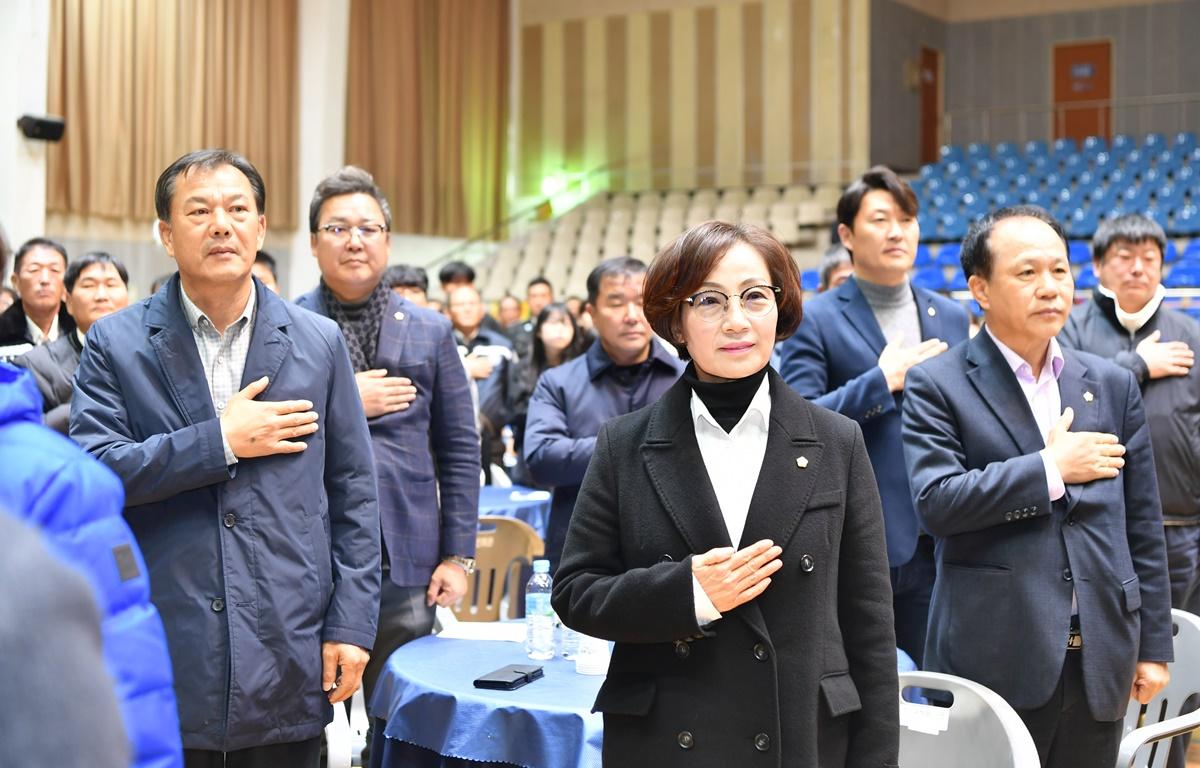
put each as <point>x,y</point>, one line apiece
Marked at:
<point>978,729</point>
<point>1146,747</point>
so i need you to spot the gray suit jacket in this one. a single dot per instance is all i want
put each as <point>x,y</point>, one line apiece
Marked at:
<point>53,367</point>
<point>1008,559</point>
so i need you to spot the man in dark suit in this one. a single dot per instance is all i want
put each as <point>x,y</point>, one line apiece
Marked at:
<point>851,354</point>
<point>96,285</point>
<point>38,316</point>
<point>1032,467</point>
<point>418,407</point>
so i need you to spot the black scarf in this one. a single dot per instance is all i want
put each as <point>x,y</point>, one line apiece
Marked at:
<point>727,401</point>
<point>359,323</point>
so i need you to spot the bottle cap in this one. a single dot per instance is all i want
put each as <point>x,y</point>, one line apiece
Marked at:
<point>541,566</point>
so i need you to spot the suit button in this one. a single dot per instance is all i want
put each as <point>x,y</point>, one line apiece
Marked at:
<point>806,563</point>
<point>1034,508</point>
<point>218,605</point>
<point>1067,574</point>
<point>666,559</point>
<point>762,742</point>
<point>760,652</point>
<point>1071,520</point>
<point>682,649</point>
<point>230,519</point>
<point>1008,515</point>
<point>685,739</point>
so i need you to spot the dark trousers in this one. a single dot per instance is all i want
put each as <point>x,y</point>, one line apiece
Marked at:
<point>403,616</point>
<point>912,587</point>
<point>1063,729</point>
<point>294,754</point>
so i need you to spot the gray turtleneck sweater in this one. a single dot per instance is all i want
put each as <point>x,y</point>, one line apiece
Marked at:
<point>895,310</point>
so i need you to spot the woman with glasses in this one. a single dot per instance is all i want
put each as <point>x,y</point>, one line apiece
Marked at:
<point>729,538</point>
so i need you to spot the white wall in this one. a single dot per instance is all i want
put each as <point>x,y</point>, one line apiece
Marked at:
<point>24,56</point>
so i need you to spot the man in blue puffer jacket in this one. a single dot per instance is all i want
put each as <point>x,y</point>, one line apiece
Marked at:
<point>76,502</point>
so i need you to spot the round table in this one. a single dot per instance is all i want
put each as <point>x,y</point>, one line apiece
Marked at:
<point>427,698</point>
<point>528,505</point>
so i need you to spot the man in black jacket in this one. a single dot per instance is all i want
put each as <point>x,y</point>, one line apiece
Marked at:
<point>39,315</point>
<point>1126,322</point>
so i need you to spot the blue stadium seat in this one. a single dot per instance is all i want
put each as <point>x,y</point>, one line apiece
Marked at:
<point>928,170</point>
<point>1186,221</point>
<point>1094,144</point>
<point>1103,160</point>
<point>1169,196</point>
<point>1074,165</point>
<point>933,184</point>
<point>962,184</point>
<point>930,278</point>
<point>1136,161</point>
<point>995,182</point>
<point>1154,141</point>
<point>1118,178</point>
<point>1083,222</point>
<point>953,169</point>
<point>1078,252</point>
<point>924,258</point>
<point>1064,147</point>
<point>1025,182</point>
<point>1011,164</point>
<point>1183,275</point>
<point>1157,214</point>
<point>948,255</point>
<point>1006,149</point>
<point>1191,251</point>
<point>975,149</point>
<point>1172,253</point>
<point>1036,197</point>
<point>1136,197</point>
<point>1152,177</point>
<point>1036,149</point>
<point>1122,143</point>
<point>1185,140</point>
<point>1088,180</point>
<point>1002,199</point>
<point>958,282</point>
<point>1184,175</point>
<point>1086,279</point>
<point>982,166</point>
<point>952,227</point>
<point>951,152</point>
<point>810,279</point>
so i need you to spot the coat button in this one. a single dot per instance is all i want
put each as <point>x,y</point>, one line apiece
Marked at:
<point>1008,516</point>
<point>218,605</point>
<point>762,742</point>
<point>760,652</point>
<point>685,739</point>
<point>1067,574</point>
<point>682,649</point>
<point>1071,520</point>
<point>806,563</point>
<point>230,519</point>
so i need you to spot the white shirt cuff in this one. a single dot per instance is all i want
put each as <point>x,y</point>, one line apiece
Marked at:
<point>706,612</point>
<point>1054,481</point>
<point>230,458</point>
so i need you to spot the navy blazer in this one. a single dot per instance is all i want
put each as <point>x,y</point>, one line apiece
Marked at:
<point>252,565</point>
<point>833,361</point>
<point>426,452</point>
<point>1008,559</point>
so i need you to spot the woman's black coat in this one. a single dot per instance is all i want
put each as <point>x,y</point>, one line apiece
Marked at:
<point>804,675</point>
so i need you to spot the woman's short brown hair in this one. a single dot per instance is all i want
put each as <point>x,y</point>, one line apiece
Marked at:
<point>679,270</point>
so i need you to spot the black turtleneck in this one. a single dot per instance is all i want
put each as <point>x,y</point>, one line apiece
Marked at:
<point>727,401</point>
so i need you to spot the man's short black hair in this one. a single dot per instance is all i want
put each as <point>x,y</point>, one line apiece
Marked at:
<point>349,180</point>
<point>881,178</point>
<point>833,258</point>
<point>206,159</point>
<point>88,259</point>
<point>539,280</point>
<point>456,272</point>
<point>406,276</point>
<point>262,257</point>
<point>977,255</point>
<point>1132,228</point>
<point>38,242</point>
<point>620,266</point>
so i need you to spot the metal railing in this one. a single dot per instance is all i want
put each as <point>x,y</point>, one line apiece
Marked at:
<point>1167,113</point>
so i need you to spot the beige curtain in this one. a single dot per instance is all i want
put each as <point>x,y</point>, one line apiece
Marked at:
<point>426,113</point>
<point>140,82</point>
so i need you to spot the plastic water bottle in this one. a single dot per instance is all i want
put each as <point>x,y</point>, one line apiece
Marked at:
<point>568,642</point>
<point>539,616</point>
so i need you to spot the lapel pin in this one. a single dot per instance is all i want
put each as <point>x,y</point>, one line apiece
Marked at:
<point>1088,397</point>
<point>399,315</point>
<point>802,462</point>
<point>931,311</point>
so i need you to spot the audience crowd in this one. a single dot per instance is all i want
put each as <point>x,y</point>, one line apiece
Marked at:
<point>267,498</point>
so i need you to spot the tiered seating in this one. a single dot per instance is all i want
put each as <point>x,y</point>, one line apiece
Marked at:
<point>1079,185</point>
<point>567,248</point>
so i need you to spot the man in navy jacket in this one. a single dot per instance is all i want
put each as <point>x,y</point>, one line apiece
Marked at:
<point>625,369</point>
<point>418,407</point>
<point>1031,465</point>
<point>851,354</point>
<point>234,421</point>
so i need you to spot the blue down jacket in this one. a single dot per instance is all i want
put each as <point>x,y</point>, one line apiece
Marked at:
<point>76,502</point>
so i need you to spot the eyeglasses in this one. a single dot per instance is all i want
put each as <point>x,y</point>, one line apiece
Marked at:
<point>368,233</point>
<point>756,301</point>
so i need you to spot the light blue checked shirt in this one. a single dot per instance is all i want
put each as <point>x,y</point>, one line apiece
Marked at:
<point>223,356</point>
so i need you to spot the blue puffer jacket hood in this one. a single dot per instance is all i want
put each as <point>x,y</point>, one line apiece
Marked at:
<point>77,503</point>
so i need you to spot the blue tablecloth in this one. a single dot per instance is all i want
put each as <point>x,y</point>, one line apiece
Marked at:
<point>427,698</point>
<point>528,505</point>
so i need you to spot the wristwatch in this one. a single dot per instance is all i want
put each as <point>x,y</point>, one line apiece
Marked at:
<point>466,563</point>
